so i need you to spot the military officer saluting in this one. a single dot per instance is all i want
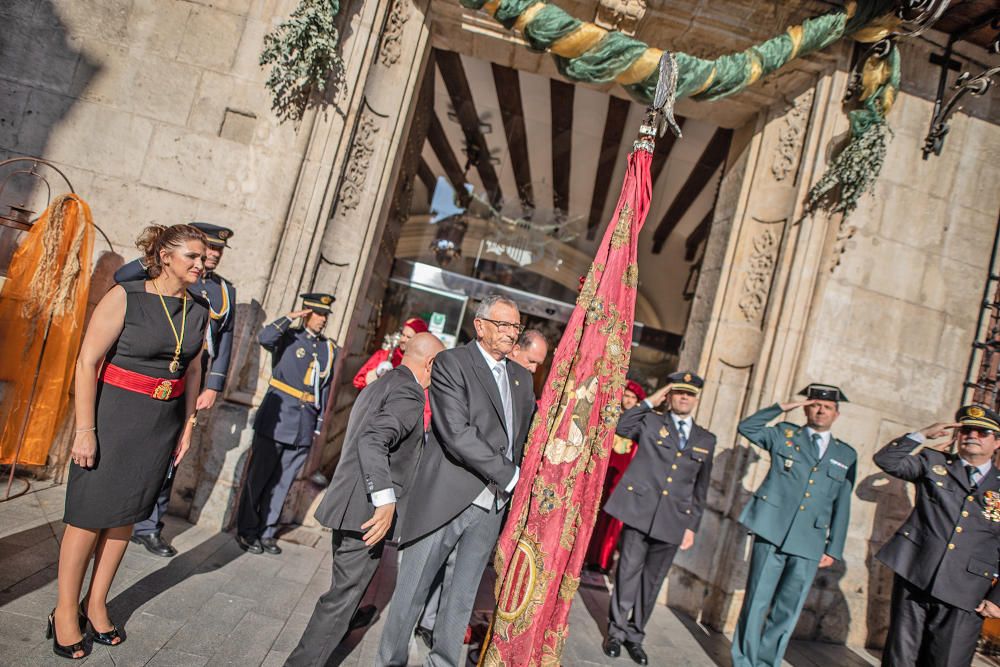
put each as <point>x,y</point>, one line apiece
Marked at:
<point>946,555</point>
<point>221,297</point>
<point>798,517</point>
<point>289,416</point>
<point>660,500</point>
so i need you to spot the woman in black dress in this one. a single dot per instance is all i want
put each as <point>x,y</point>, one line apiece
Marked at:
<point>133,423</point>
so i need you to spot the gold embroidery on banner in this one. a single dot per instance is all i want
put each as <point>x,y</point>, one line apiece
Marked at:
<point>552,650</point>
<point>630,278</point>
<point>568,587</point>
<point>619,237</point>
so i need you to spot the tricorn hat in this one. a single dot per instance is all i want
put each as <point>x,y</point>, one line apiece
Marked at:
<point>824,392</point>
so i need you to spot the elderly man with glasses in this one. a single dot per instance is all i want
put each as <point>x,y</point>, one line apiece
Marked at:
<point>482,408</point>
<point>946,555</point>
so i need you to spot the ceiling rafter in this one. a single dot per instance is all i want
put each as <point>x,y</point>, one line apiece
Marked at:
<point>711,159</point>
<point>455,80</point>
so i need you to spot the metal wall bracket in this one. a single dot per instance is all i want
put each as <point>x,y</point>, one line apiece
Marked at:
<point>966,84</point>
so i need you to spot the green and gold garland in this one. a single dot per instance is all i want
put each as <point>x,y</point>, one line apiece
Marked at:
<point>303,53</point>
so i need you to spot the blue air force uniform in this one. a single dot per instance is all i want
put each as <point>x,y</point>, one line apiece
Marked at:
<point>218,348</point>
<point>946,555</point>
<point>800,512</point>
<point>288,418</point>
<point>662,493</point>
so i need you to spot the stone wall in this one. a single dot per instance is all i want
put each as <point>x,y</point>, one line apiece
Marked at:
<point>883,304</point>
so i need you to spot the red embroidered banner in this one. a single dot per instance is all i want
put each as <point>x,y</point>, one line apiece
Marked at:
<point>542,547</point>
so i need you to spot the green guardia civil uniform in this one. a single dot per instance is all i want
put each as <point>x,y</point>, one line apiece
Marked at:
<point>800,512</point>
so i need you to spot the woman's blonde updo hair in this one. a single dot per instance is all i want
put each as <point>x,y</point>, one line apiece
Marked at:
<point>157,237</point>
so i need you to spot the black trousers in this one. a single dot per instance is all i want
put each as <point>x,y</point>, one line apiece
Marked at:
<point>273,467</point>
<point>642,566</point>
<point>925,632</point>
<point>354,566</point>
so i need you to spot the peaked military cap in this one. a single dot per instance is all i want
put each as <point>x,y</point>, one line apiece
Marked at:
<point>824,392</point>
<point>216,235</point>
<point>685,381</point>
<point>318,302</point>
<point>978,415</point>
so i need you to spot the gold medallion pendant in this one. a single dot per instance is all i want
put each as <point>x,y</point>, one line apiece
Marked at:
<point>175,364</point>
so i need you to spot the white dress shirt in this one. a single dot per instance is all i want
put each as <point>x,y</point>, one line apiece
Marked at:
<point>824,439</point>
<point>486,498</point>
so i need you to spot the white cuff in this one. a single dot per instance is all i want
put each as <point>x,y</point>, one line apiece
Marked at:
<point>917,436</point>
<point>513,482</point>
<point>383,497</point>
<point>648,403</point>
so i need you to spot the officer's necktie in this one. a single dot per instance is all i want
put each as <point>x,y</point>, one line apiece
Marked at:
<point>500,373</point>
<point>973,473</point>
<point>682,438</point>
<point>817,439</point>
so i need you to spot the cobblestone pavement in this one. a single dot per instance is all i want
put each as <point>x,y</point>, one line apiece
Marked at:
<point>215,605</point>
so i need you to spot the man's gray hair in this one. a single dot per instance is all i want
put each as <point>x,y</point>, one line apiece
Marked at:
<point>486,305</point>
<point>529,336</point>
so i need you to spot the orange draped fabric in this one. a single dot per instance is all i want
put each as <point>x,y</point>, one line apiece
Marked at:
<point>42,309</point>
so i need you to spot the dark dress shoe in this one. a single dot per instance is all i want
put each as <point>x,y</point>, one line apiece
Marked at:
<point>155,545</point>
<point>635,652</point>
<point>425,635</point>
<point>250,545</point>
<point>362,617</point>
<point>612,647</point>
<point>270,545</point>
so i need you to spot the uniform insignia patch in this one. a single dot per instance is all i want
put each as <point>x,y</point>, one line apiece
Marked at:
<point>992,510</point>
<point>699,450</point>
<point>664,432</point>
<point>789,433</point>
<point>687,378</point>
<point>300,352</point>
<point>788,464</point>
<point>975,411</point>
<point>839,464</point>
<point>939,469</point>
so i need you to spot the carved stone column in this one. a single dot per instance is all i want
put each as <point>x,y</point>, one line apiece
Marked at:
<point>350,146</point>
<point>740,309</point>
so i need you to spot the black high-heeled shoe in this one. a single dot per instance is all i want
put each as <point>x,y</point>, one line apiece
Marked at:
<point>59,649</point>
<point>107,638</point>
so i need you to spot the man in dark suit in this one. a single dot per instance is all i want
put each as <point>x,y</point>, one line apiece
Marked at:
<point>798,516</point>
<point>482,407</point>
<point>287,420</point>
<point>384,434</point>
<point>946,555</point>
<point>221,297</point>
<point>660,500</point>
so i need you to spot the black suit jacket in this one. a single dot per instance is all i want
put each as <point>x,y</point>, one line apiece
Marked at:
<point>381,447</point>
<point>468,440</point>
<point>949,546</point>
<point>663,490</point>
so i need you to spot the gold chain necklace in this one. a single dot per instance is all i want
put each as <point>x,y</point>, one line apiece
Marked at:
<point>175,364</point>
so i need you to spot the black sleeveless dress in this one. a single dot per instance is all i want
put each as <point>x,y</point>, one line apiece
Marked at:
<point>136,433</point>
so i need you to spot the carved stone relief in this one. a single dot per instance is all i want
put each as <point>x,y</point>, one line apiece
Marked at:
<point>760,270</point>
<point>791,138</point>
<point>392,37</point>
<point>356,171</point>
<point>844,234</point>
<point>621,15</point>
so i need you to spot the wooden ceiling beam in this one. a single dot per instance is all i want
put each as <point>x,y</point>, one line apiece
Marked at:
<point>455,80</point>
<point>508,87</point>
<point>561,94</point>
<point>711,159</point>
<point>614,127</point>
